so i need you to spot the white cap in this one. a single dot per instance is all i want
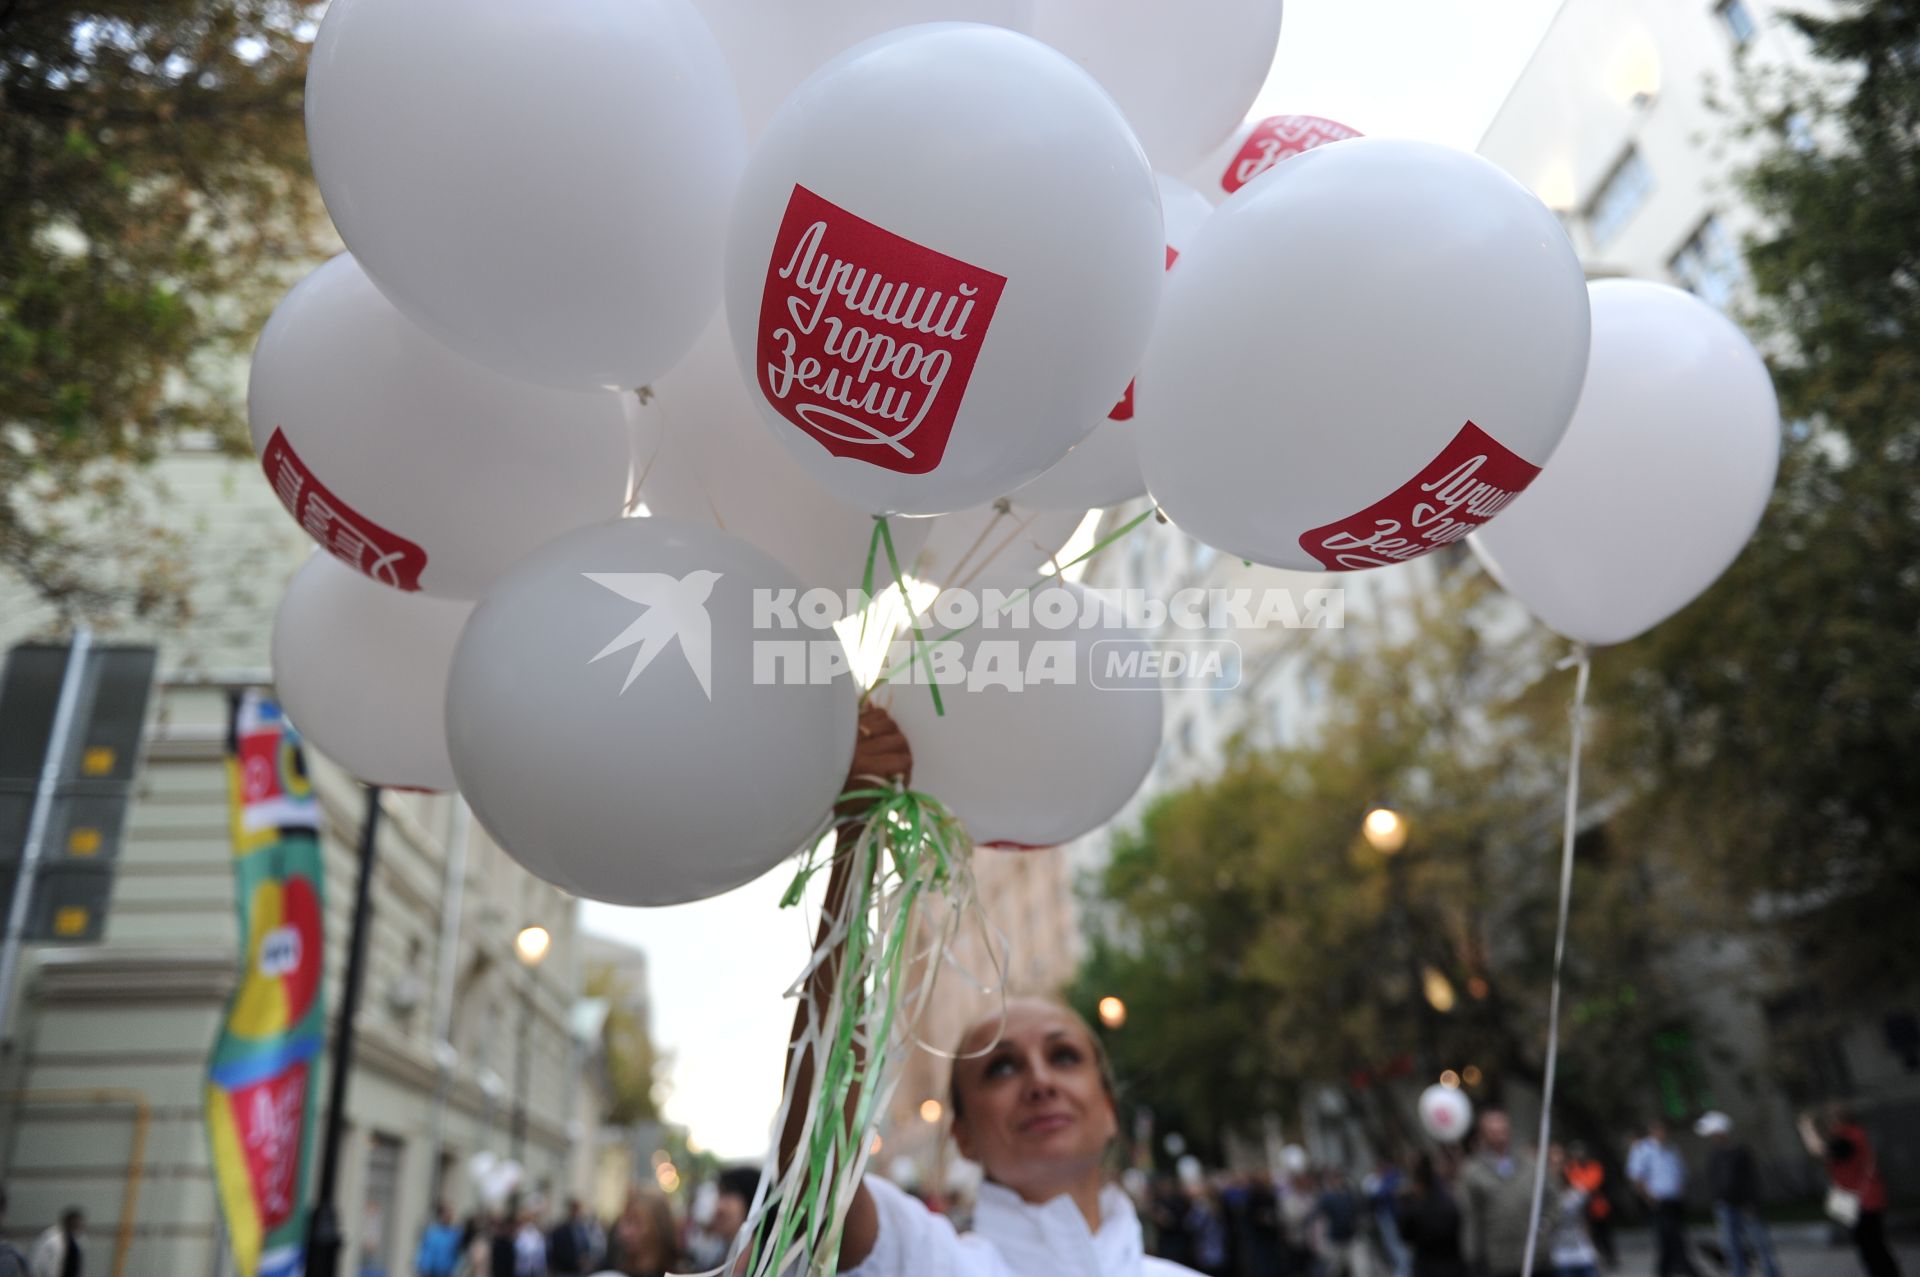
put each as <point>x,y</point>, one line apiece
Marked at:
<point>1714,1123</point>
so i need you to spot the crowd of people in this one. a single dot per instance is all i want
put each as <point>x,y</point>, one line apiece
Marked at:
<point>1466,1213</point>
<point>647,1238</point>
<point>60,1251</point>
<point>1453,1213</point>
<point>1032,1103</point>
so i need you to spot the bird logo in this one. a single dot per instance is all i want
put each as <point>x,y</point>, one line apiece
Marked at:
<point>675,608</point>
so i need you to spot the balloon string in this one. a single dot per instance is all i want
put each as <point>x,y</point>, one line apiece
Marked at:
<point>1032,516</point>
<point>630,405</point>
<point>888,676</point>
<point>1578,660</point>
<point>1002,509</point>
<point>693,466</point>
<point>910,849</point>
<point>921,649</point>
<point>866,585</point>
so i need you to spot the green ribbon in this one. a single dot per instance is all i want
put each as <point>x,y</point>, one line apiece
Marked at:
<point>910,846</point>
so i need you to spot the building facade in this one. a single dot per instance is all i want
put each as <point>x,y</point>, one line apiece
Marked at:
<point>104,1072</point>
<point>1614,125</point>
<point>1624,123</point>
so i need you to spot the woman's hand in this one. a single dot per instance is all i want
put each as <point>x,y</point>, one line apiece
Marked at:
<point>880,756</point>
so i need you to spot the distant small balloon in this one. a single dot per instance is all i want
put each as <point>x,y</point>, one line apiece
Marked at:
<point>1445,1113</point>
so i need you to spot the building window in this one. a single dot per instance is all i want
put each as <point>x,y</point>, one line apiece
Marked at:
<point>1620,197</point>
<point>1708,265</point>
<point>1738,19</point>
<point>379,1227</point>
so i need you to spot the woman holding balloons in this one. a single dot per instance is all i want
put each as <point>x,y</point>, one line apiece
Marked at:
<point>1032,1102</point>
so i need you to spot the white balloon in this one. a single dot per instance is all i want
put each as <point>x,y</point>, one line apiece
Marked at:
<point>417,467</point>
<point>716,465</point>
<point>619,726</point>
<point>1345,377</point>
<point>362,672</point>
<point>1185,74</point>
<point>992,542</point>
<point>1104,468</point>
<point>1446,1113</point>
<point>1051,758</point>
<point>481,1164</point>
<point>943,262</point>
<point>1294,1160</point>
<point>1258,145</point>
<point>499,1184</point>
<point>543,187</point>
<point>1661,479</point>
<point>773,47</point>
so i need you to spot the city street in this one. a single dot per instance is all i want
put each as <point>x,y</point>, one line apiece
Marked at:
<point>958,638</point>
<point>1804,1250</point>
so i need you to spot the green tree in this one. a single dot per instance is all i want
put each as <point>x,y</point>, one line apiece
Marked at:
<point>154,203</point>
<point>1771,728</point>
<point>631,1060</point>
<point>1262,946</point>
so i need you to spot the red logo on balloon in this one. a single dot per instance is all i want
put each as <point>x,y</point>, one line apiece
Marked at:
<point>342,531</point>
<point>1123,411</point>
<point>1276,138</point>
<point>1473,479</point>
<point>867,339</point>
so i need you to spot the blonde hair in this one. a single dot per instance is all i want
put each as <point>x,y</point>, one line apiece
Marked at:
<point>1100,1059</point>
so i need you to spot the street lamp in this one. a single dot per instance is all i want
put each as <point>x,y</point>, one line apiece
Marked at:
<point>1385,830</point>
<point>1113,1012</point>
<point>530,946</point>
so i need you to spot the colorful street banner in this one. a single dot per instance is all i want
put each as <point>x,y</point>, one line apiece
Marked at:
<point>263,1074</point>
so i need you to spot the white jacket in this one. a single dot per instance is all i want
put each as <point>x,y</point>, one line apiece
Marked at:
<point>49,1254</point>
<point>1009,1239</point>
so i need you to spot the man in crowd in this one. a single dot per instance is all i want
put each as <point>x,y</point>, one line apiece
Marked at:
<point>58,1252</point>
<point>439,1251</point>
<point>570,1247</point>
<point>1735,1184</point>
<point>1658,1172</point>
<point>12,1262</point>
<point>1585,1173</point>
<point>734,1198</point>
<point>1497,1186</point>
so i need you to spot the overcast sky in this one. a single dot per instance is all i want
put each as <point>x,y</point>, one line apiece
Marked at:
<point>1430,69</point>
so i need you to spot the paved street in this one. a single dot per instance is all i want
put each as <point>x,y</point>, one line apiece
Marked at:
<point>1802,1249</point>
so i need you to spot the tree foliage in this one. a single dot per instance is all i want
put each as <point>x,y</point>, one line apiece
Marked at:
<point>630,1060</point>
<point>156,202</point>
<point>1775,722</point>
<point>1264,948</point>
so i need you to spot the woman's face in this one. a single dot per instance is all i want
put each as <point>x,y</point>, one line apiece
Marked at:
<point>1034,1111</point>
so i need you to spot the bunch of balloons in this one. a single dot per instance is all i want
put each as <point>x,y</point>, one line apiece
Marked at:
<point>766,273</point>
